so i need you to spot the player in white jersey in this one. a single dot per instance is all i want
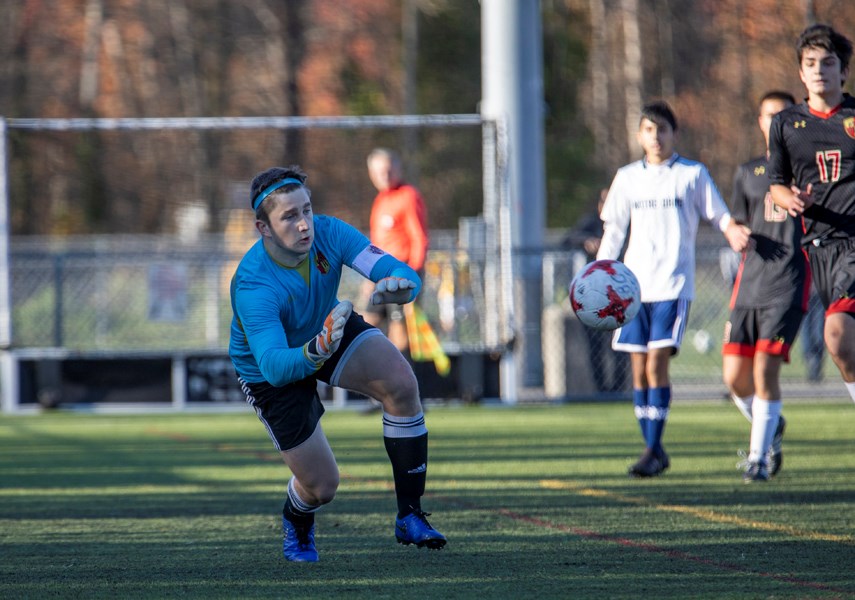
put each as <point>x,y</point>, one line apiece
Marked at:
<point>660,199</point>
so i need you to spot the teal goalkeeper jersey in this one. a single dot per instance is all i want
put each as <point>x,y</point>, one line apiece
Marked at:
<point>276,311</point>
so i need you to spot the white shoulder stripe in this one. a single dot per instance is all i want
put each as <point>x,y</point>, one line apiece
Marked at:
<point>365,260</point>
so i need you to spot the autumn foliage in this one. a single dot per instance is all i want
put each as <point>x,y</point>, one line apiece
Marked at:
<point>711,59</point>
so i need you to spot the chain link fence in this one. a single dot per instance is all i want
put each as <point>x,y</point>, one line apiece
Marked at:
<point>155,294</point>
<point>172,192</point>
<point>589,368</point>
<point>103,295</point>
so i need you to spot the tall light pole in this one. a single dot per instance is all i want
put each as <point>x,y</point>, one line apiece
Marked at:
<point>512,94</point>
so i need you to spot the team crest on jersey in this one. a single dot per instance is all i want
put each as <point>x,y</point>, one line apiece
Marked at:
<point>322,263</point>
<point>849,126</point>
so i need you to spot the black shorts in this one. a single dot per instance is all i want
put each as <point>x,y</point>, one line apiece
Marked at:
<point>832,265</point>
<point>291,413</point>
<point>772,330</point>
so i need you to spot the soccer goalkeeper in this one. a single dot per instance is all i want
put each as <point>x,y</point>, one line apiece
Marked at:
<point>289,330</point>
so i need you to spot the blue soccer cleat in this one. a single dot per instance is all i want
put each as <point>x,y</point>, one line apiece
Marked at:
<point>299,543</point>
<point>415,529</point>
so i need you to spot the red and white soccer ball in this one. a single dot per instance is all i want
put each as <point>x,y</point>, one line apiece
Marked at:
<point>605,294</point>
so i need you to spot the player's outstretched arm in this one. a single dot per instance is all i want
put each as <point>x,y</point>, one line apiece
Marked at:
<point>322,346</point>
<point>394,290</point>
<point>395,282</point>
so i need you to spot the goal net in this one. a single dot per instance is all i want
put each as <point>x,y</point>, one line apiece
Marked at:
<point>124,233</point>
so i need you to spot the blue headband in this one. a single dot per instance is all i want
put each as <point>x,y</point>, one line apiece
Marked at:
<point>260,198</point>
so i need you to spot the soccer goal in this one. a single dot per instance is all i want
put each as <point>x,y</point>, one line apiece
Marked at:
<point>120,238</point>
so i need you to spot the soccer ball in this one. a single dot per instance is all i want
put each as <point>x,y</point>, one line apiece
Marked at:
<point>605,295</point>
<point>702,341</point>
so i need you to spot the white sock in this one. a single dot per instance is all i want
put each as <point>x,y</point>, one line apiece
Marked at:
<point>296,501</point>
<point>744,404</point>
<point>850,385</point>
<point>766,415</point>
<point>404,427</point>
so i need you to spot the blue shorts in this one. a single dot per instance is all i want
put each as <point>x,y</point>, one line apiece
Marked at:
<point>657,325</point>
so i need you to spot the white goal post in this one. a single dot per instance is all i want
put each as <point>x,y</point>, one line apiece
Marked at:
<point>487,236</point>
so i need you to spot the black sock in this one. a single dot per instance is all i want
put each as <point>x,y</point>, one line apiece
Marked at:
<point>297,517</point>
<point>409,468</point>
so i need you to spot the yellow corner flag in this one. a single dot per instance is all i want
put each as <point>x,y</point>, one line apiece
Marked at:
<point>424,345</point>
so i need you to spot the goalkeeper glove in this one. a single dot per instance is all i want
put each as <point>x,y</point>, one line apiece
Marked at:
<point>393,290</point>
<point>322,346</point>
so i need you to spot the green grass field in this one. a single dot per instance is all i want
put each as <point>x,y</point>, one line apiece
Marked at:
<point>535,503</point>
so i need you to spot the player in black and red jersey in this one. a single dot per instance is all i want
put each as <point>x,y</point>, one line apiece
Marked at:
<point>767,306</point>
<point>812,171</point>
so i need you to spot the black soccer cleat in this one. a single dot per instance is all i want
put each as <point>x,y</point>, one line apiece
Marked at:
<point>755,471</point>
<point>663,458</point>
<point>648,465</point>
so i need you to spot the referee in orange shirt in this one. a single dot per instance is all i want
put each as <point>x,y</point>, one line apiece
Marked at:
<point>399,227</point>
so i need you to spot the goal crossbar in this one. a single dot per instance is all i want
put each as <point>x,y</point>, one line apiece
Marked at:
<point>343,122</point>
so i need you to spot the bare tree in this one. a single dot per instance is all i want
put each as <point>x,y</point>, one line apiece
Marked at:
<point>192,103</point>
<point>810,11</point>
<point>666,49</point>
<point>89,146</point>
<point>294,51</point>
<point>632,71</point>
<point>92,22</point>
<point>598,69</point>
<point>409,59</point>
